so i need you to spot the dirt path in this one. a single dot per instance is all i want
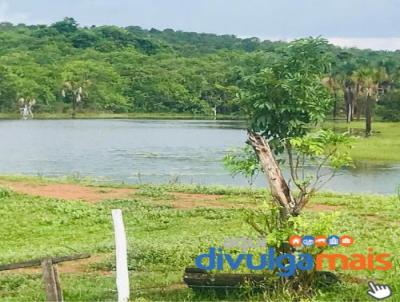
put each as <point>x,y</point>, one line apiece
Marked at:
<point>93,194</point>
<point>189,201</point>
<point>68,191</point>
<point>97,194</point>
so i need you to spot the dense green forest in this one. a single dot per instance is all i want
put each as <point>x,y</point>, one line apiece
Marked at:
<point>63,67</point>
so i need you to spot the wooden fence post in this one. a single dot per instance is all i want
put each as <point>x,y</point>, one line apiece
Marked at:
<point>121,257</point>
<point>51,282</point>
<point>50,275</point>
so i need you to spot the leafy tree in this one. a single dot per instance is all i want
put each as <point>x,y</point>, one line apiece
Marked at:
<point>67,25</point>
<point>243,161</point>
<point>169,71</point>
<point>283,102</point>
<point>84,39</point>
<point>92,82</point>
<point>284,99</point>
<point>389,106</point>
<point>7,89</point>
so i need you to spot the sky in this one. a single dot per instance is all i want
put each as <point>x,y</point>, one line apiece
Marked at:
<point>371,24</point>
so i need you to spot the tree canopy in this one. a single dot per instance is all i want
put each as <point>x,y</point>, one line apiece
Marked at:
<point>132,69</point>
<point>286,98</point>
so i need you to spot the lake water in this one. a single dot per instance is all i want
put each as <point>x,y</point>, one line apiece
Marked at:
<point>156,151</point>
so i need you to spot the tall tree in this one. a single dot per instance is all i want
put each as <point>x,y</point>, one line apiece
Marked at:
<point>283,102</point>
<point>370,81</point>
<point>67,25</point>
<point>97,84</point>
<point>332,82</point>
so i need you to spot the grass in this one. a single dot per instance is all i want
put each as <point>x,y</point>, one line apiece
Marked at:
<point>164,240</point>
<point>382,147</point>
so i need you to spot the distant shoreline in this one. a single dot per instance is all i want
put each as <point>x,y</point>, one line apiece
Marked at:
<point>136,115</point>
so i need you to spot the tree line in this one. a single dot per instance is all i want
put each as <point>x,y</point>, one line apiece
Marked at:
<point>64,67</point>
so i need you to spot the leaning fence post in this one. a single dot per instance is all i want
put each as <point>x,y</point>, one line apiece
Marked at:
<point>121,256</point>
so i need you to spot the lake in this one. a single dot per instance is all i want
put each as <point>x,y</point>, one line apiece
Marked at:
<point>149,151</point>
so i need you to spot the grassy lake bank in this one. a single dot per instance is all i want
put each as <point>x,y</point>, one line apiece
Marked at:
<point>167,226</point>
<point>382,147</point>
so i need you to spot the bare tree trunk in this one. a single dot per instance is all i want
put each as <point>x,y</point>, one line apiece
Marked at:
<point>358,108</point>
<point>349,115</point>
<point>349,100</point>
<point>73,108</point>
<point>334,105</point>
<point>280,190</point>
<point>359,101</point>
<point>368,116</point>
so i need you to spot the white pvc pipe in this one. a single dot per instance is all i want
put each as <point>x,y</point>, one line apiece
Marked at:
<point>121,256</point>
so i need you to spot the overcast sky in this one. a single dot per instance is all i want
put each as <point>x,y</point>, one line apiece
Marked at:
<point>364,23</point>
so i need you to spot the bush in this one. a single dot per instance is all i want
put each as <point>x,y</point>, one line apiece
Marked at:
<point>389,107</point>
<point>4,193</point>
<point>243,161</point>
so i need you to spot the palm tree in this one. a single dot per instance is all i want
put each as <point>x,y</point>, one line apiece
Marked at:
<point>371,82</point>
<point>75,92</point>
<point>333,84</point>
<point>352,95</point>
<point>357,90</point>
<point>75,84</point>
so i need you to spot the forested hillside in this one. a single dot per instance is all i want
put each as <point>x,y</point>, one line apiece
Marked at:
<point>111,69</point>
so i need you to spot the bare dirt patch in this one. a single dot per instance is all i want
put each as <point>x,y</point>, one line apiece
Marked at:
<point>317,207</point>
<point>80,266</point>
<point>69,267</point>
<point>96,194</point>
<point>69,191</point>
<point>188,201</point>
<point>371,217</point>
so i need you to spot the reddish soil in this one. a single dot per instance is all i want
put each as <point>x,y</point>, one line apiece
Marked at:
<point>69,191</point>
<point>80,266</point>
<point>189,201</point>
<point>96,194</point>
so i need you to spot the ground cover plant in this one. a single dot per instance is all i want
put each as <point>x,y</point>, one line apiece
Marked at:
<point>164,238</point>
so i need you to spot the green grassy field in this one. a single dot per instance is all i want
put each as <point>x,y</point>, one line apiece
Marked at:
<point>164,239</point>
<point>382,147</point>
